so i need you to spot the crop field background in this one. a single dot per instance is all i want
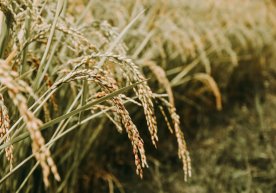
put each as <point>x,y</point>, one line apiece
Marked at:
<point>167,96</point>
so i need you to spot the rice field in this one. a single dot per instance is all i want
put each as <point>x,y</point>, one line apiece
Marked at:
<point>135,95</point>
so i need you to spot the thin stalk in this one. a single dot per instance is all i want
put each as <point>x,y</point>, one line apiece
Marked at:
<point>49,42</point>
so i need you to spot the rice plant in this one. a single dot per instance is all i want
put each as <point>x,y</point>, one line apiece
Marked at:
<point>69,68</point>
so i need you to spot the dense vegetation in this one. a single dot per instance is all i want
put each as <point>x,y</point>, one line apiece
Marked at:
<point>90,89</point>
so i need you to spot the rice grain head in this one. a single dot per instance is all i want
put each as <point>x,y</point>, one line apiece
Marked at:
<point>4,129</point>
<point>15,89</point>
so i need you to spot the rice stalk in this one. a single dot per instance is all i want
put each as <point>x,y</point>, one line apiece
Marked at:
<point>33,124</point>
